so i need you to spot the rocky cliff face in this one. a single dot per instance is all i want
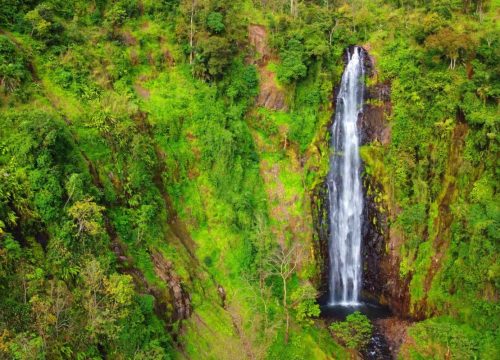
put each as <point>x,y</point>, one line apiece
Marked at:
<point>270,95</point>
<point>381,278</point>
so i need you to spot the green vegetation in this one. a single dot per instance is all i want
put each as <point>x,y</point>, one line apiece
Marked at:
<point>355,332</point>
<point>437,338</point>
<point>443,149</point>
<point>150,208</point>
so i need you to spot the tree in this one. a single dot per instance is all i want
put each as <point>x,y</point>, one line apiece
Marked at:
<point>88,217</point>
<point>45,20</point>
<point>215,23</point>
<point>51,310</point>
<point>191,31</point>
<point>115,16</point>
<point>214,57</point>
<point>293,8</point>
<point>213,31</point>
<point>355,332</point>
<point>107,300</point>
<point>292,65</point>
<point>451,44</point>
<point>39,25</point>
<point>304,302</point>
<point>74,188</point>
<point>283,264</point>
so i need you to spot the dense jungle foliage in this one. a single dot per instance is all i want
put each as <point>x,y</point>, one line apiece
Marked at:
<point>153,207</point>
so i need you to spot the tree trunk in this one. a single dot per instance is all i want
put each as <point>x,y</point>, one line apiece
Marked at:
<point>293,8</point>
<point>264,301</point>
<point>479,10</point>
<point>287,315</point>
<point>191,33</point>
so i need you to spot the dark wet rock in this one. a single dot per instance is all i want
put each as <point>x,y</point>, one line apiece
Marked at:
<point>378,348</point>
<point>373,251</point>
<point>381,277</point>
<point>373,120</point>
<point>395,331</point>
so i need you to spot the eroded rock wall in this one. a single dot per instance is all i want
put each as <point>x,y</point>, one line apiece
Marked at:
<point>381,259</point>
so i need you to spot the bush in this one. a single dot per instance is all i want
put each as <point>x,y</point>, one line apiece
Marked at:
<point>442,337</point>
<point>306,307</point>
<point>214,22</point>
<point>355,332</point>
<point>292,66</point>
<point>13,66</point>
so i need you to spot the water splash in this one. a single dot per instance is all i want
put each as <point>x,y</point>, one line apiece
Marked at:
<point>344,187</point>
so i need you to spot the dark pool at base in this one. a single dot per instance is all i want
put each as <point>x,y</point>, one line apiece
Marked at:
<point>372,310</point>
<point>378,349</point>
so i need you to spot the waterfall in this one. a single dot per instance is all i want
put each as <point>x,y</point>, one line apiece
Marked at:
<point>344,187</point>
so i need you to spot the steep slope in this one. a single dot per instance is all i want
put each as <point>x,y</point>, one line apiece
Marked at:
<point>145,203</point>
<point>160,165</point>
<point>424,211</point>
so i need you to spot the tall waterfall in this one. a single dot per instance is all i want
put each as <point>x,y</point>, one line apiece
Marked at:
<point>344,187</point>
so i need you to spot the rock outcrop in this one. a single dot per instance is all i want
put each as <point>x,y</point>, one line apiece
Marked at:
<point>373,120</point>
<point>179,297</point>
<point>270,96</point>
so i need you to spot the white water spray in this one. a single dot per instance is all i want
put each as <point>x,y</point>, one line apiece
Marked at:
<point>344,187</point>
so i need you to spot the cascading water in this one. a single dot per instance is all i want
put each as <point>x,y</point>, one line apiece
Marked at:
<point>344,187</point>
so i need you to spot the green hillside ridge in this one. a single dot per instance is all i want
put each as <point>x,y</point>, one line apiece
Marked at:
<point>158,160</point>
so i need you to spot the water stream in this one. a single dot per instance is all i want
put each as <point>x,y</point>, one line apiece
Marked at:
<point>344,188</point>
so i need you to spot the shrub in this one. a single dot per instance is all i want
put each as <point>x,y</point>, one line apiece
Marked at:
<point>13,66</point>
<point>355,332</point>
<point>214,22</point>
<point>292,66</point>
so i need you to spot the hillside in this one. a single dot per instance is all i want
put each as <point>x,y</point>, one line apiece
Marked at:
<point>163,169</point>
